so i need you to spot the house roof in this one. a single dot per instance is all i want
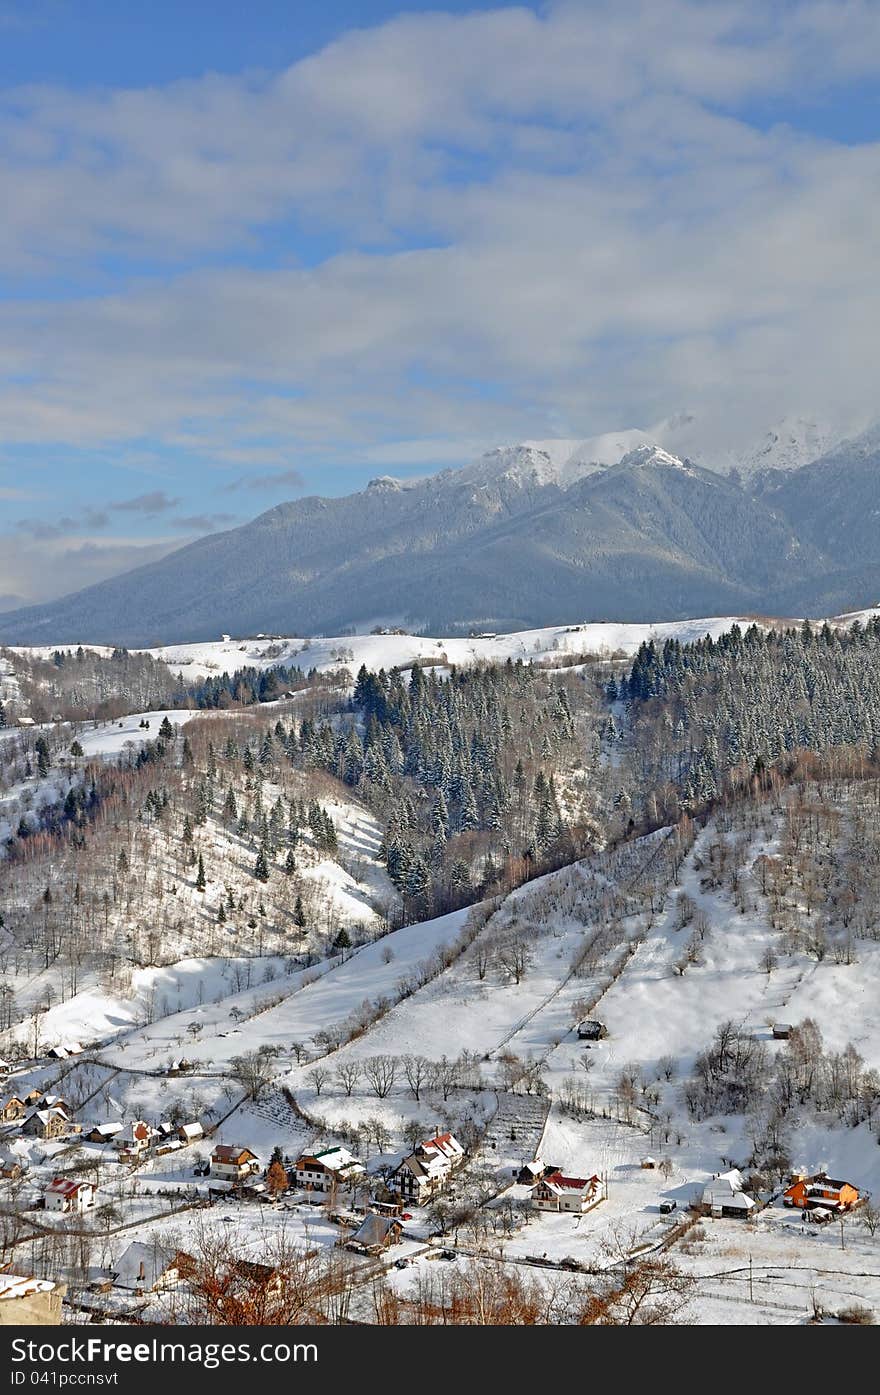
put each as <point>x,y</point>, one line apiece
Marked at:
<point>374,1230</point>
<point>232,1153</point>
<point>44,1115</point>
<point>727,1189</point>
<point>337,1159</point>
<point>732,1181</point>
<point>19,1285</point>
<point>254,1271</point>
<point>433,1157</point>
<point>156,1260</point>
<point>65,1186</point>
<point>559,1182</point>
<point>445,1144</point>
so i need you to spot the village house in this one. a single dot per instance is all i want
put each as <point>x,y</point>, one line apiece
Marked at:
<point>46,1123</point>
<point>104,1133</point>
<point>50,1101</point>
<point>232,1163</point>
<point>66,1195</point>
<point>590,1030</point>
<point>531,1172</point>
<point>135,1139</point>
<point>320,1172</point>
<point>147,1268</point>
<point>265,1277</point>
<point>427,1169</point>
<point>821,1190</point>
<point>559,1192</point>
<point>190,1133</point>
<point>180,1066</point>
<point>375,1234</point>
<point>725,1195</point>
<point>13,1108</point>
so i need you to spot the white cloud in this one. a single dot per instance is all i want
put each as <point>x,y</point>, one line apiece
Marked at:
<point>562,222</point>
<point>30,569</point>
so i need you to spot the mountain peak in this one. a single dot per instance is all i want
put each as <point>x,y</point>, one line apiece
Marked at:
<point>386,482</point>
<point>647,455</point>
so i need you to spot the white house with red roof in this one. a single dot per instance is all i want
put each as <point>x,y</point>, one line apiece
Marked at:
<point>66,1195</point>
<point>428,1168</point>
<point>135,1138</point>
<point>559,1192</point>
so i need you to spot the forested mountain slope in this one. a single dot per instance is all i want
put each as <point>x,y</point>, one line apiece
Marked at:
<point>514,542</point>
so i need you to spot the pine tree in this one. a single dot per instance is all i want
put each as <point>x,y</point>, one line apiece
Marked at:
<point>261,866</point>
<point>43,758</point>
<point>201,883</point>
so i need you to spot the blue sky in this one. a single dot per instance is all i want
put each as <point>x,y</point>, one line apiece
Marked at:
<point>254,250</point>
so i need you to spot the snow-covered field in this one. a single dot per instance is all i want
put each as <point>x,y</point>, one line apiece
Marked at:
<point>603,638</point>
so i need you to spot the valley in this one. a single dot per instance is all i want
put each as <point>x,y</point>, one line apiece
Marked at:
<point>214,948</point>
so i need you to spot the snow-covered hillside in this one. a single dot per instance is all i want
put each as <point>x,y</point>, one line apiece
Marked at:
<point>326,654</point>
<point>663,940</point>
<point>396,650</point>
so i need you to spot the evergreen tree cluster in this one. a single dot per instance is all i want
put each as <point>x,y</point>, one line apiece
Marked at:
<point>744,700</point>
<point>442,757</point>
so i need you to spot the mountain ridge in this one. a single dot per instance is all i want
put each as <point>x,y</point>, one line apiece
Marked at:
<point>513,541</point>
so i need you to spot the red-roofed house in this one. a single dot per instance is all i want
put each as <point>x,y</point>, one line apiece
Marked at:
<point>558,1192</point>
<point>428,1168</point>
<point>64,1194</point>
<point>135,1140</point>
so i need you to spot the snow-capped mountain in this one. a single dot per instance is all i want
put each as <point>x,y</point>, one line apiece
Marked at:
<point>614,527</point>
<point>790,444</point>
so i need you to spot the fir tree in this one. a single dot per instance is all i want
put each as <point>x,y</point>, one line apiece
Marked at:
<point>261,866</point>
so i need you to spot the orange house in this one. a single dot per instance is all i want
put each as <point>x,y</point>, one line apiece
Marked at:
<point>821,1190</point>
